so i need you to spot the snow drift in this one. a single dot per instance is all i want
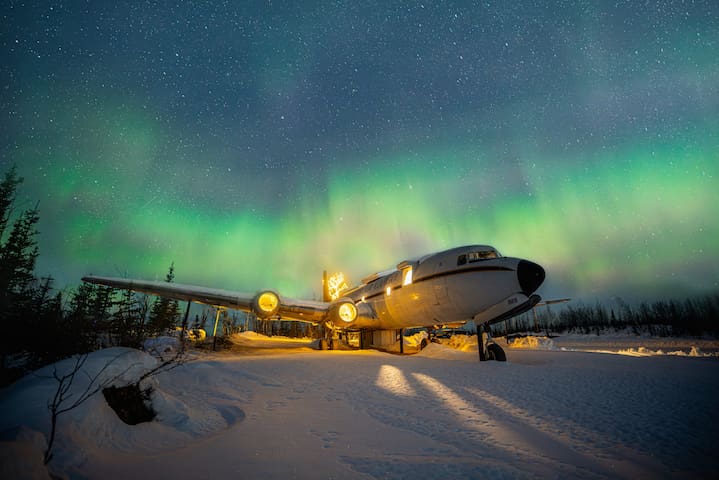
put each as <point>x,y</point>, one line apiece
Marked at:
<point>368,414</point>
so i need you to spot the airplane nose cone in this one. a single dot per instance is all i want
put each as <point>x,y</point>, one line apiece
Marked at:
<point>530,276</point>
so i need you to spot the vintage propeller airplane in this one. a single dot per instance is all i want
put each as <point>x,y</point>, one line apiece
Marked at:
<point>450,287</point>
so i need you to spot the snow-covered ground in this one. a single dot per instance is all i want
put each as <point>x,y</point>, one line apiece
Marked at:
<point>298,413</point>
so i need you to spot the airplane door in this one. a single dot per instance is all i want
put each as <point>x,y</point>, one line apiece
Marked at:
<point>440,292</point>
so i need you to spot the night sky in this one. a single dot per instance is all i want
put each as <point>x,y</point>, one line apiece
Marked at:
<point>258,143</point>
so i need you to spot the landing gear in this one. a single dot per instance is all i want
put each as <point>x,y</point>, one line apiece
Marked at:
<point>328,344</point>
<point>328,340</point>
<point>488,350</point>
<point>496,352</point>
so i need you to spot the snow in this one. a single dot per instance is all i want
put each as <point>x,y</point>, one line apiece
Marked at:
<point>292,412</point>
<point>637,345</point>
<point>415,340</point>
<point>161,345</point>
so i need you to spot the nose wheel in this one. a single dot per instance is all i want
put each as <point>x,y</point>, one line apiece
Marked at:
<point>488,350</point>
<point>329,339</point>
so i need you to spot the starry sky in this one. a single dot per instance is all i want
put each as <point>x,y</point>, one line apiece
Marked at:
<point>257,143</point>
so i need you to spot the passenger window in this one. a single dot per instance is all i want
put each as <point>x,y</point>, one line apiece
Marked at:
<point>462,259</point>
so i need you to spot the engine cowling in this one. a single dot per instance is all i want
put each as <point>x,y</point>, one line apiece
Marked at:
<point>266,304</point>
<point>342,312</point>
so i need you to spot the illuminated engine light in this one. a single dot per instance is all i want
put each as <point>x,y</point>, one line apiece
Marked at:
<point>268,302</point>
<point>347,312</point>
<point>388,291</point>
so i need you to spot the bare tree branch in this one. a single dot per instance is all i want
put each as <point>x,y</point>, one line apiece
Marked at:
<point>65,383</point>
<point>62,394</point>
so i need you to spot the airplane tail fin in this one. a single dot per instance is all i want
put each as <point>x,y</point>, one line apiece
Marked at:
<point>333,286</point>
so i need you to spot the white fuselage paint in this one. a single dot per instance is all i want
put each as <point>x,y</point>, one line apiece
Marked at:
<point>441,292</point>
<point>454,286</point>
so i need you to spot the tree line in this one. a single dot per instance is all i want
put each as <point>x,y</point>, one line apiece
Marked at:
<point>693,317</point>
<point>40,325</point>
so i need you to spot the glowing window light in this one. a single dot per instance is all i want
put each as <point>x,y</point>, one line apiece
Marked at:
<point>336,284</point>
<point>388,291</point>
<point>407,276</point>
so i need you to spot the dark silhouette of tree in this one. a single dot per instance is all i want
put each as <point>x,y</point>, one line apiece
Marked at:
<point>128,320</point>
<point>47,336</point>
<point>86,318</point>
<point>7,197</point>
<point>101,304</point>
<point>165,312</point>
<point>18,254</point>
<point>17,280</point>
<point>695,316</point>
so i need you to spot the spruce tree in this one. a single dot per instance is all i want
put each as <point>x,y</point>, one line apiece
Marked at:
<point>128,321</point>
<point>100,306</point>
<point>79,320</point>
<point>7,197</point>
<point>18,283</point>
<point>164,313</point>
<point>18,255</point>
<point>49,337</point>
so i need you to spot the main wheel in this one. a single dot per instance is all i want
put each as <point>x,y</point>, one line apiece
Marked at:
<point>496,353</point>
<point>481,339</point>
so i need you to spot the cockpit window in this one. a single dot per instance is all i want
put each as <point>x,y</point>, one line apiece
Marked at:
<point>476,256</point>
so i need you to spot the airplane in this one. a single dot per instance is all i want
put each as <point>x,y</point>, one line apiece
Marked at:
<point>447,288</point>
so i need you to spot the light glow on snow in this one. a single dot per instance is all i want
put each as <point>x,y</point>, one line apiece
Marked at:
<point>391,379</point>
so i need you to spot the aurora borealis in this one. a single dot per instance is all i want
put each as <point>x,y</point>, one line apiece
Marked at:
<point>256,144</point>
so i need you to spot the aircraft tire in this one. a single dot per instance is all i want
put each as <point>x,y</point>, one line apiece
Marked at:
<point>496,353</point>
<point>423,344</point>
<point>484,354</point>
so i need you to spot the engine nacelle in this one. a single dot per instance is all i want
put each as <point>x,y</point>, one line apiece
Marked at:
<point>342,312</point>
<point>266,304</point>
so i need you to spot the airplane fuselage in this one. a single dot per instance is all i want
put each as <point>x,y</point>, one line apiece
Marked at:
<point>453,286</point>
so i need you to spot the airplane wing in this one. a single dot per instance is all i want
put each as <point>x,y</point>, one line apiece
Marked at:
<point>265,303</point>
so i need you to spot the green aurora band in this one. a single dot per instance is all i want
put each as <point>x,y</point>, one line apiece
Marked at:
<point>648,226</point>
<point>604,171</point>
